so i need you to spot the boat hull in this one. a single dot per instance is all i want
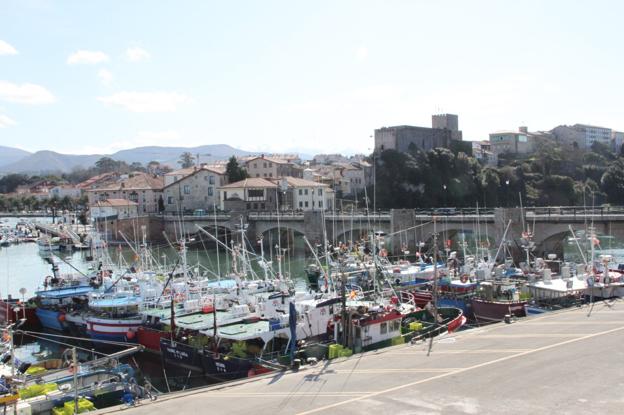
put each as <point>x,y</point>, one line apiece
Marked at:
<point>113,330</point>
<point>150,338</point>
<point>495,311</point>
<point>8,314</point>
<point>50,319</point>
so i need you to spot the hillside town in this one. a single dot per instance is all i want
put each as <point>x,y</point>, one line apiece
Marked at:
<point>285,182</point>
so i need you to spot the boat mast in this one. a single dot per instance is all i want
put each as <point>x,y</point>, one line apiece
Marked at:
<point>435,282</point>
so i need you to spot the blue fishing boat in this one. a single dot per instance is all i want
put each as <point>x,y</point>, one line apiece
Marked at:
<point>52,305</point>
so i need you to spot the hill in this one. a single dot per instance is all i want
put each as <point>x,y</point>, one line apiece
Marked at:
<point>19,161</point>
<point>10,155</point>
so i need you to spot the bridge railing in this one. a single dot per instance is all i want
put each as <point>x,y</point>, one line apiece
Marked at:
<point>575,211</point>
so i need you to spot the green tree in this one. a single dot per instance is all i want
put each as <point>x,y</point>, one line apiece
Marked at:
<point>186,160</point>
<point>234,171</point>
<point>612,182</point>
<point>106,165</point>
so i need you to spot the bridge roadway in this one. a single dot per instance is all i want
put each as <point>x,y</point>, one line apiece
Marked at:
<point>560,362</point>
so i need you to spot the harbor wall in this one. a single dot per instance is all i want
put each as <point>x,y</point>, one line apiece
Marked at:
<point>132,229</point>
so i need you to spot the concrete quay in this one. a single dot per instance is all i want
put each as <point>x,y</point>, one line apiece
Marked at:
<point>560,362</point>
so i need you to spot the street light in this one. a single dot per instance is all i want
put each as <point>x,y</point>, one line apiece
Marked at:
<point>507,193</point>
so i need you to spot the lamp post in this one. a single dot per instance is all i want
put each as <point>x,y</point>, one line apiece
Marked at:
<point>444,196</point>
<point>507,193</point>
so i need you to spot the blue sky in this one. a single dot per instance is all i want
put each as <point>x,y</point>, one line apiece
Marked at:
<point>100,76</point>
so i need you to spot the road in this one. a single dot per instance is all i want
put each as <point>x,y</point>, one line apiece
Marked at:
<point>564,362</point>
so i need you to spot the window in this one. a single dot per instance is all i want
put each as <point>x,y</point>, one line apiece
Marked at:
<point>187,189</point>
<point>255,193</point>
<point>320,203</point>
<point>210,191</point>
<point>224,195</point>
<point>262,206</point>
<point>170,200</point>
<point>255,206</point>
<point>395,325</point>
<point>306,203</point>
<point>265,165</point>
<point>257,174</point>
<point>212,180</point>
<point>305,191</point>
<point>248,205</point>
<point>264,175</point>
<point>384,328</point>
<point>320,192</point>
<point>270,174</point>
<point>270,164</point>
<point>300,204</point>
<point>300,192</point>
<point>255,165</point>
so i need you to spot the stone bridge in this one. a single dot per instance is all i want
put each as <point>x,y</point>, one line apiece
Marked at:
<point>408,228</point>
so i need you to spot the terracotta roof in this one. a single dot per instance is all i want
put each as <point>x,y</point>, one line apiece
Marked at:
<point>115,203</point>
<point>271,159</point>
<point>257,182</point>
<point>297,182</point>
<point>90,181</point>
<point>139,181</point>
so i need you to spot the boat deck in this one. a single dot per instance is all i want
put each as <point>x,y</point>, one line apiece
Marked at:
<point>559,362</point>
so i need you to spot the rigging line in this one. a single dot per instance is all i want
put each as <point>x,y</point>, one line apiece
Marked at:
<point>36,334</point>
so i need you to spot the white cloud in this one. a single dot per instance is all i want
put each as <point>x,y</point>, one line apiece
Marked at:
<point>106,76</point>
<point>137,54</point>
<point>361,53</point>
<point>90,57</point>
<point>146,101</point>
<point>25,93</point>
<point>5,121</point>
<point>6,49</point>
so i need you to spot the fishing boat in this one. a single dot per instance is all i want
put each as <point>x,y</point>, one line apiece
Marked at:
<point>496,300</point>
<point>13,310</point>
<point>53,304</point>
<point>114,317</point>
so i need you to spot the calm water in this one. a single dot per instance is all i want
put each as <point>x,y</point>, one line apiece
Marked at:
<point>21,266</point>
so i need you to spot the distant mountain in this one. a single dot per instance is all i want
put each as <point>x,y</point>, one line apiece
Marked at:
<point>51,162</point>
<point>171,155</point>
<point>10,155</point>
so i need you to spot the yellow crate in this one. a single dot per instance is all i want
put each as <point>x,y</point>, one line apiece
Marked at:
<point>415,326</point>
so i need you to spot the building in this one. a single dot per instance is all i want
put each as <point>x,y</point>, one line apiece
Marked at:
<point>270,167</point>
<point>482,151</point>
<point>301,194</point>
<point>142,188</point>
<point>253,194</point>
<point>355,176</point>
<point>445,130</point>
<point>113,209</point>
<point>61,191</point>
<point>187,190</point>
<point>582,135</point>
<point>287,193</point>
<point>516,142</point>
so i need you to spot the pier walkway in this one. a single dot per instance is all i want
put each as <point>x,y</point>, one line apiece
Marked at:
<point>561,362</point>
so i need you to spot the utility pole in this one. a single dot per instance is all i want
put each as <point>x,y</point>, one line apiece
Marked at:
<point>75,363</point>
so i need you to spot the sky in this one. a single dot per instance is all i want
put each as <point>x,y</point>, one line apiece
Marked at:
<point>291,76</point>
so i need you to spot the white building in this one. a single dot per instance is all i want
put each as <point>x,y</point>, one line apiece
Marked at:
<point>582,135</point>
<point>62,191</point>
<point>114,209</point>
<point>304,194</point>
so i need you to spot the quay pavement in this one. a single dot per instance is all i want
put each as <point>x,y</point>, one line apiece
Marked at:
<point>560,362</point>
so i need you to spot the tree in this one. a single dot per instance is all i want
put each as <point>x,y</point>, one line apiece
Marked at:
<point>136,166</point>
<point>9,183</point>
<point>161,204</point>
<point>106,165</point>
<point>234,172</point>
<point>612,182</point>
<point>186,160</point>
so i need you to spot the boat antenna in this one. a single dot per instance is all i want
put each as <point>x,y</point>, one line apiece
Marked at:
<point>435,283</point>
